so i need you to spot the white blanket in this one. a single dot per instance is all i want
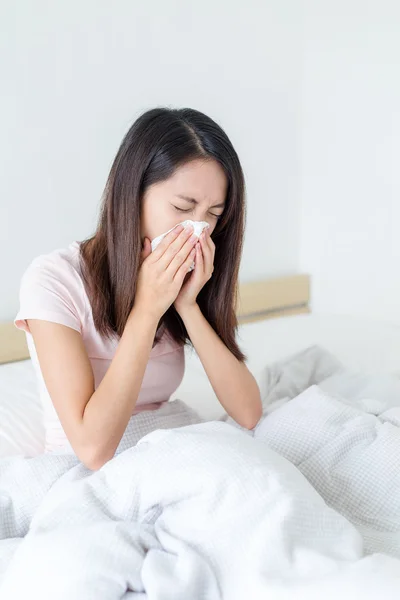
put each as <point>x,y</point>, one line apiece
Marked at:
<point>306,506</point>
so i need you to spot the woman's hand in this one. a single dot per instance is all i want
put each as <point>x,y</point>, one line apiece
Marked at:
<point>203,270</point>
<point>162,272</point>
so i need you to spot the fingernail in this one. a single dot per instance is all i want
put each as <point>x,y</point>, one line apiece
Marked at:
<point>193,238</point>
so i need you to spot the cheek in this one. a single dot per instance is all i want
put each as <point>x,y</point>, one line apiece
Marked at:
<point>157,219</point>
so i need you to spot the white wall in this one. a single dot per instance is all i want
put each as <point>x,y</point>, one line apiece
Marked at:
<point>75,75</point>
<point>350,156</point>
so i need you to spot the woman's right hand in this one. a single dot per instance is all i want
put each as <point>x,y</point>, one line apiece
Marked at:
<point>162,272</point>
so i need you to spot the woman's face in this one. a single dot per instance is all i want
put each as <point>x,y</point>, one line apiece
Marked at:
<point>196,191</point>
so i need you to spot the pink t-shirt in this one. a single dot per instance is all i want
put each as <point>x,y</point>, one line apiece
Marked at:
<point>52,289</point>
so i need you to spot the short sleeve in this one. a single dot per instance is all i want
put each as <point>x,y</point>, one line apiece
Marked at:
<point>49,292</point>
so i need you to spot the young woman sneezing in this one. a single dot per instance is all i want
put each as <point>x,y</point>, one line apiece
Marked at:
<point>107,318</point>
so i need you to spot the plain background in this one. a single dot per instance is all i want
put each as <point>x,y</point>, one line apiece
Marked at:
<point>308,91</point>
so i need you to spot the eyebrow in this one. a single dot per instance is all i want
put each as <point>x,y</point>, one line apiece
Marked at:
<point>194,201</point>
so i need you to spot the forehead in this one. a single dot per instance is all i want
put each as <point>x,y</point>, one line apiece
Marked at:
<point>203,180</point>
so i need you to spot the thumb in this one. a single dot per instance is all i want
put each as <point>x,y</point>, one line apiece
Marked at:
<point>146,249</point>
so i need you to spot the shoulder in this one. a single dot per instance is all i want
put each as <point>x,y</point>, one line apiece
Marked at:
<point>52,288</point>
<point>63,263</point>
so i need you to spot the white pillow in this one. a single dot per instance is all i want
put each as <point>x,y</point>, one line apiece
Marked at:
<point>21,416</point>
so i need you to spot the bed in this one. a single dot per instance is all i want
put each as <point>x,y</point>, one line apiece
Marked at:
<point>324,459</point>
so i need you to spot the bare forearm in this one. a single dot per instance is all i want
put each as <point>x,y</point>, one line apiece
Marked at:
<point>233,384</point>
<point>109,409</point>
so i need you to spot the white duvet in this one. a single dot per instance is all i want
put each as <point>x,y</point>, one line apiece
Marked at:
<point>306,506</point>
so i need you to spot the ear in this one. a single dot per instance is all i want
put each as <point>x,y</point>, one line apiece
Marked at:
<point>146,249</point>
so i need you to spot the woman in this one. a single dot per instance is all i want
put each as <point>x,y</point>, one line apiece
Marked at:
<point>108,318</point>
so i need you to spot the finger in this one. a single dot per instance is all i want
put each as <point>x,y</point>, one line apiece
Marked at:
<point>184,268</point>
<point>211,243</point>
<point>207,253</point>
<point>199,262</point>
<point>179,258</point>
<point>209,259</point>
<point>207,238</point>
<point>166,241</point>
<point>182,246</point>
<point>211,246</point>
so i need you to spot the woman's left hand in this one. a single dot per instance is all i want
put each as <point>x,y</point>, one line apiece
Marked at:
<point>202,272</point>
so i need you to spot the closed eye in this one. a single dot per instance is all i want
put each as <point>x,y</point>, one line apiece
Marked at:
<point>182,209</point>
<point>186,210</point>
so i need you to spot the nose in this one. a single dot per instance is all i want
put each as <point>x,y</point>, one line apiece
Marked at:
<point>201,214</point>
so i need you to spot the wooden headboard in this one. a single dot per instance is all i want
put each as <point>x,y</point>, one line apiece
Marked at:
<point>257,300</point>
<point>12,344</point>
<point>269,298</point>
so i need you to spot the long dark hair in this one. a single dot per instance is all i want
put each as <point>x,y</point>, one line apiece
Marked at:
<point>159,141</point>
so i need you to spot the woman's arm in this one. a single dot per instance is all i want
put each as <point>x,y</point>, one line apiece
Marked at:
<point>94,421</point>
<point>231,380</point>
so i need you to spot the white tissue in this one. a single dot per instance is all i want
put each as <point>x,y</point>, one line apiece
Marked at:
<point>198,228</point>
